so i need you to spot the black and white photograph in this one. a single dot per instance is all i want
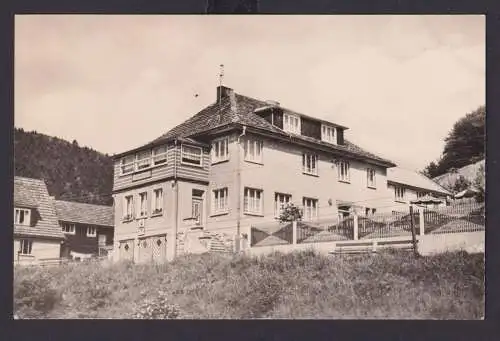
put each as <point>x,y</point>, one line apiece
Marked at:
<point>249,167</point>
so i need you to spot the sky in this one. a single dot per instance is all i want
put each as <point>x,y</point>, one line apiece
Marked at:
<point>115,82</point>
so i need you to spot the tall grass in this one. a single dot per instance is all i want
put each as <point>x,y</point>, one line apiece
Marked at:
<point>297,285</point>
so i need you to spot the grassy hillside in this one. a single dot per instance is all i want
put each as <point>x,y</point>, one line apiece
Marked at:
<point>299,285</point>
<point>71,172</point>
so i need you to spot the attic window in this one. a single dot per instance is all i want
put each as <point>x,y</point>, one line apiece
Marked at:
<point>291,123</point>
<point>328,134</point>
<point>22,216</point>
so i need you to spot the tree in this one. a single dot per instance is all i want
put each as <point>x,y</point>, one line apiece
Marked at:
<point>461,184</point>
<point>290,213</point>
<point>431,171</point>
<point>464,144</point>
<point>480,184</point>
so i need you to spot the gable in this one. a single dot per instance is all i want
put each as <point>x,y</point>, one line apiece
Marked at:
<point>33,193</point>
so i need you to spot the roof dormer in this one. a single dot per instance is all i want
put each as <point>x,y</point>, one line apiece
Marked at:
<point>22,215</point>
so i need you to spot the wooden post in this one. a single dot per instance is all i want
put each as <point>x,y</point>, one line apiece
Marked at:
<point>355,227</point>
<point>413,232</point>
<point>294,232</point>
<point>421,221</point>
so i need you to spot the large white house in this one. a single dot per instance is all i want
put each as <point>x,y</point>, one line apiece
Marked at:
<point>234,164</point>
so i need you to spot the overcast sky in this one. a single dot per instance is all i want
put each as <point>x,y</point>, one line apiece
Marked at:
<point>116,82</point>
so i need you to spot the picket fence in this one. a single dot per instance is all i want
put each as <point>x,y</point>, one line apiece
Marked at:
<point>392,228</point>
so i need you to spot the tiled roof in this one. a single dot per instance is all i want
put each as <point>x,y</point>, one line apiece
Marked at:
<point>414,179</point>
<point>33,193</point>
<point>242,112</point>
<point>75,212</point>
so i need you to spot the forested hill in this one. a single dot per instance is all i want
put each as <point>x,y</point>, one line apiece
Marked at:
<point>71,172</point>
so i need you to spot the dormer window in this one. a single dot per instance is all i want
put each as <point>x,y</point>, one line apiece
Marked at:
<point>328,134</point>
<point>291,123</point>
<point>22,216</point>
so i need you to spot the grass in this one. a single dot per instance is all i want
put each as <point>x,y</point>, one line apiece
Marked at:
<point>301,285</point>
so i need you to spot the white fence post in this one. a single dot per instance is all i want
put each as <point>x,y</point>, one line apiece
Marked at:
<point>355,227</point>
<point>421,220</point>
<point>294,232</point>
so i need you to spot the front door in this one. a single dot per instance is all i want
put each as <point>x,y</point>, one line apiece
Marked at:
<point>127,249</point>
<point>197,210</point>
<point>145,250</point>
<point>159,248</point>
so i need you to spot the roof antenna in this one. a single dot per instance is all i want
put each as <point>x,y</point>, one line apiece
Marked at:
<point>221,77</point>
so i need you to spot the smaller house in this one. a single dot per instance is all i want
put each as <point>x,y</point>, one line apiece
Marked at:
<point>407,185</point>
<point>88,229</point>
<point>37,235</point>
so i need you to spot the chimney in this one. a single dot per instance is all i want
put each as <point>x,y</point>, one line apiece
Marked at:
<point>225,92</point>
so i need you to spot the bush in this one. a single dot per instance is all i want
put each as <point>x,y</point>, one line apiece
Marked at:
<point>34,297</point>
<point>157,308</point>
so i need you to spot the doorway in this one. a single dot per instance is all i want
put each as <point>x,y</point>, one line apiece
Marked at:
<point>197,207</point>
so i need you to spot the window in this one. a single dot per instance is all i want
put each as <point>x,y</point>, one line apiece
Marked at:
<point>143,201</point>
<point>91,231</point>
<point>68,228</point>
<point>220,150</point>
<point>344,212</point>
<point>128,208</point>
<point>291,123</point>
<point>344,174</point>
<point>22,216</point>
<point>159,155</point>
<point>421,194</point>
<point>370,177</point>
<point>309,164</point>
<point>328,133</point>
<point>220,200</point>
<point>310,208</point>
<point>25,246</point>
<point>158,201</point>
<point>127,164</point>
<point>252,202</point>
<point>280,201</point>
<point>370,211</point>
<point>144,159</point>
<point>191,155</point>
<point>253,150</point>
<point>399,193</point>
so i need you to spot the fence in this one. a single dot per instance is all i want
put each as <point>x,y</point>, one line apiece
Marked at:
<point>382,229</point>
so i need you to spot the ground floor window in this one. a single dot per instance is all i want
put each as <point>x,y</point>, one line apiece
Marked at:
<point>310,208</point>
<point>252,201</point>
<point>25,246</point>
